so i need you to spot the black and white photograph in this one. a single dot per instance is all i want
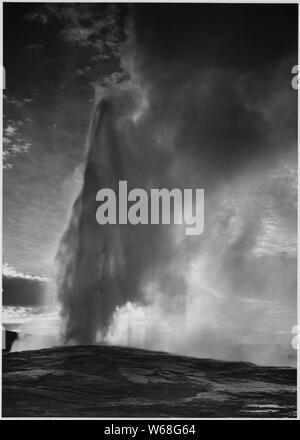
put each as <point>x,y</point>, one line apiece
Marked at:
<point>149,212</point>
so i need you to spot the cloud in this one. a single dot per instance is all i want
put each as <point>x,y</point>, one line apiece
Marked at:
<point>111,80</point>
<point>35,46</point>
<point>11,272</point>
<point>27,311</point>
<point>15,139</point>
<point>10,130</point>
<point>37,16</point>
<point>14,143</point>
<point>83,70</point>
<point>22,289</point>
<point>12,100</point>
<point>97,27</point>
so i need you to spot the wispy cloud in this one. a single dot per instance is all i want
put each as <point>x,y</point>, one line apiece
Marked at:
<point>14,143</point>
<point>81,71</point>
<point>85,26</point>
<point>12,272</point>
<point>12,100</point>
<point>35,46</point>
<point>112,79</point>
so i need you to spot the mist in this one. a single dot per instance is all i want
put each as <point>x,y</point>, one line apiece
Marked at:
<point>194,111</point>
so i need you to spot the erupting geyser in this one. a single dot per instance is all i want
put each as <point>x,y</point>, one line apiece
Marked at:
<point>88,283</point>
<point>102,267</point>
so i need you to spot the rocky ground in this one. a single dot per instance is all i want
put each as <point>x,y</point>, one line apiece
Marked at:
<point>102,381</point>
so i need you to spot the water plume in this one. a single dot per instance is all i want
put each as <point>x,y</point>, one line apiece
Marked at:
<point>182,122</point>
<point>101,268</point>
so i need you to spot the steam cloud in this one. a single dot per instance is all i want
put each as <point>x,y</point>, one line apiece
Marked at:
<point>208,105</point>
